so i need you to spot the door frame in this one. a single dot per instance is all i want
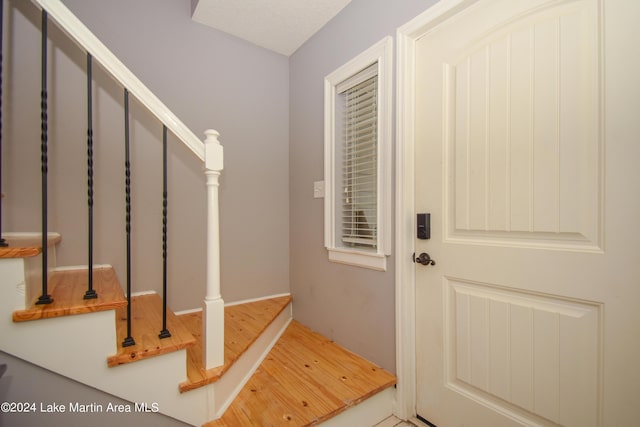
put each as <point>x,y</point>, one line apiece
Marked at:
<point>406,37</point>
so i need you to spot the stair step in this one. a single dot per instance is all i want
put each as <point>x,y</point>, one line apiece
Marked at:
<point>304,380</point>
<point>243,324</point>
<point>26,245</point>
<point>67,288</point>
<point>146,315</point>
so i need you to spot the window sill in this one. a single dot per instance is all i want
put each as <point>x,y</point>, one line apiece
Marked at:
<point>371,260</point>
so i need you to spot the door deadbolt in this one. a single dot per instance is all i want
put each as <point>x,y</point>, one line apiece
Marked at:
<point>423,224</point>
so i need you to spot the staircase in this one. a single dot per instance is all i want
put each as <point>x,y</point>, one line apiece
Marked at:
<point>81,339</point>
<point>276,371</point>
<point>234,365</point>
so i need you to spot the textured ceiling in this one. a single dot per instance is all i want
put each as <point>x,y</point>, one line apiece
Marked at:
<point>278,25</point>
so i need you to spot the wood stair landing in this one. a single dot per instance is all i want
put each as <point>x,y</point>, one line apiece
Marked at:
<point>26,245</point>
<point>243,324</point>
<point>67,288</point>
<point>146,316</point>
<point>305,379</point>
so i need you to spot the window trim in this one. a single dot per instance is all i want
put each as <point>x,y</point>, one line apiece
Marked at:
<point>382,54</point>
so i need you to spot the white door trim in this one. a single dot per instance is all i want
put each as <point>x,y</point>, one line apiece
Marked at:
<point>406,36</point>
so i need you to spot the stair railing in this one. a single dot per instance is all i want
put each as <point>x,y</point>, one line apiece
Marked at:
<point>164,332</point>
<point>128,341</point>
<point>3,242</point>
<point>45,298</point>
<point>91,292</point>
<point>210,152</point>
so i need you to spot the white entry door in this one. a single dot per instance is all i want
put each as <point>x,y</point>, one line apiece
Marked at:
<point>527,157</point>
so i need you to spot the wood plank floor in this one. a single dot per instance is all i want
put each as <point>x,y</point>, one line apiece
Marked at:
<point>304,380</point>
<point>146,315</point>
<point>67,288</point>
<point>243,324</point>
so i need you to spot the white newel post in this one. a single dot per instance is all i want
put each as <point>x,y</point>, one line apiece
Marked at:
<point>213,310</point>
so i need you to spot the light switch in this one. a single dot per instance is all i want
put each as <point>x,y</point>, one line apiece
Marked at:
<point>318,189</point>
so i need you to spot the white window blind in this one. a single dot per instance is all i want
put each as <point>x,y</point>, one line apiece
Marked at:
<point>359,161</point>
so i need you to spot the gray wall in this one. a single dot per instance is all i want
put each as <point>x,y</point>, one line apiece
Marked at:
<point>209,80</point>
<point>24,382</point>
<point>352,305</point>
<point>269,110</point>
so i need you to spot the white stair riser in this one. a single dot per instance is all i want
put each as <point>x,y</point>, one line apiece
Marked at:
<point>12,283</point>
<point>367,413</point>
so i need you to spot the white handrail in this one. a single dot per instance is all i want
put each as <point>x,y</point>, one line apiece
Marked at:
<point>78,32</point>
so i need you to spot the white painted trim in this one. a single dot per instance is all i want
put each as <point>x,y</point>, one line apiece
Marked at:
<point>29,234</point>
<point>213,333</point>
<point>80,267</point>
<point>142,293</point>
<point>382,54</point>
<point>232,303</point>
<point>247,301</point>
<point>372,260</point>
<point>213,304</point>
<point>405,273</point>
<point>369,412</point>
<point>417,422</point>
<point>407,35</point>
<point>90,43</point>
<point>188,311</point>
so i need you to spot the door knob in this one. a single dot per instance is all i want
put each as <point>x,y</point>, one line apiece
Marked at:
<point>423,259</point>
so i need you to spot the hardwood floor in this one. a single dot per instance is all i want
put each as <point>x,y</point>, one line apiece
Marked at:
<point>243,324</point>
<point>304,380</point>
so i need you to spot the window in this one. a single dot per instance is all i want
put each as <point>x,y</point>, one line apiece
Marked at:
<point>358,159</point>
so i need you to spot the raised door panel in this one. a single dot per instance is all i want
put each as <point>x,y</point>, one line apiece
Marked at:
<point>521,105</point>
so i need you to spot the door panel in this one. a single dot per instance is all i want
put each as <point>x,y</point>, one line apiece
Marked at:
<point>496,340</point>
<point>522,145</point>
<point>523,141</point>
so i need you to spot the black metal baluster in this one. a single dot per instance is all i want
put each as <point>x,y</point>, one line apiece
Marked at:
<point>45,298</point>
<point>128,341</point>
<point>3,242</point>
<point>165,332</point>
<point>91,293</point>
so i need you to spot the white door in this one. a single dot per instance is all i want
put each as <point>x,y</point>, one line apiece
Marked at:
<point>527,139</point>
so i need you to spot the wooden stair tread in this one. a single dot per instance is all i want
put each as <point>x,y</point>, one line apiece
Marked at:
<point>243,324</point>
<point>27,245</point>
<point>146,315</point>
<point>304,380</point>
<point>67,288</point>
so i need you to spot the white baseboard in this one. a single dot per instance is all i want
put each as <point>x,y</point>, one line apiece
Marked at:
<point>229,304</point>
<point>369,412</point>
<point>141,293</point>
<point>188,311</point>
<point>81,267</point>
